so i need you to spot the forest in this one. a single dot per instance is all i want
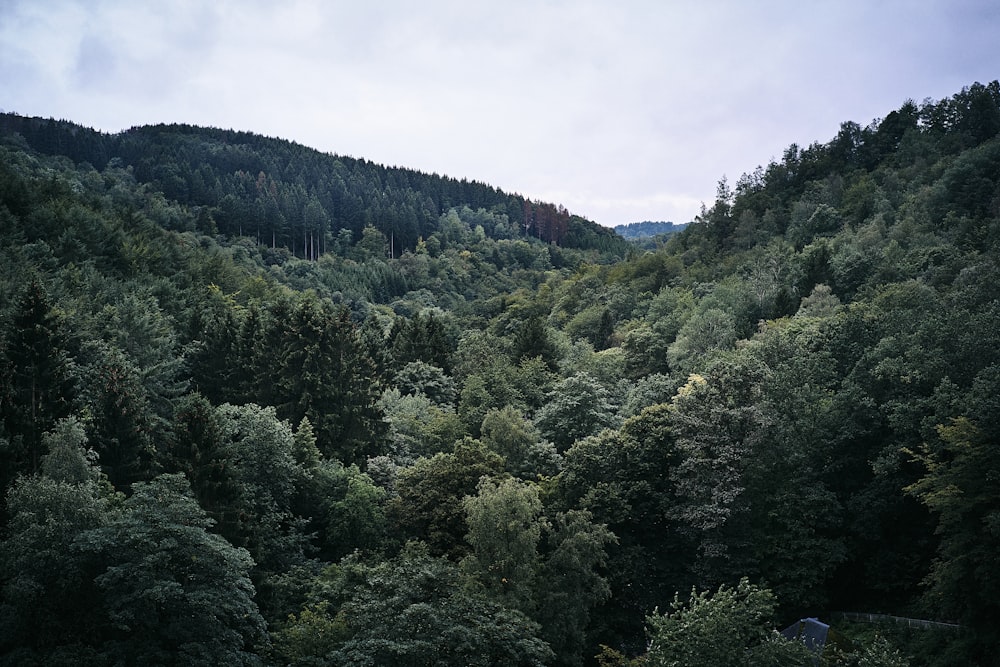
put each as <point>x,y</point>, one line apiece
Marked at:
<point>262,405</point>
<point>640,230</point>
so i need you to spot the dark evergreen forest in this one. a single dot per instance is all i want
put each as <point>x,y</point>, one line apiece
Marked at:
<point>265,405</point>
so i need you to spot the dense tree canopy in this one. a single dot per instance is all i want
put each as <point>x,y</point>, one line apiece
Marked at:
<point>263,405</point>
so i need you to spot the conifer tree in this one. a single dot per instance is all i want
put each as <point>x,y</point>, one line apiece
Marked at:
<point>40,385</point>
<point>324,374</point>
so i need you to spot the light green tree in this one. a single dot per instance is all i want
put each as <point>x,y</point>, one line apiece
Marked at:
<point>504,531</point>
<point>510,434</point>
<point>709,331</point>
<point>577,407</point>
<point>731,627</point>
<point>550,570</point>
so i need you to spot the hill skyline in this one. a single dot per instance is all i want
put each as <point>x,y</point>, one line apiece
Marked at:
<point>619,111</point>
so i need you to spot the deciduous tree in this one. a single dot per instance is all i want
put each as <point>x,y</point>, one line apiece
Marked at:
<point>733,626</point>
<point>173,593</point>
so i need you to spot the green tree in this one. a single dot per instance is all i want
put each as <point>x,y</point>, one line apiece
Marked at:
<point>173,593</point>
<point>624,480</point>
<point>122,423</point>
<point>533,340</point>
<point>595,324</point>
<point>421,338</point>
<point>421,377</point>
<point>411,610</point>
<point>218,364</point>
<point>646,345</point>
<point>548,570</point>
<point>304,448</point>
<point>577,407</point>
<point>40,384</point>
<point>47,605</point>
<point>428,504</point>
<point>255,348</point>
<point>705,333</point>
<point>347,510</point>
<point>731,627</point>
<point>373,245</point>
<point>959,488</point>
<point>798,524</point>
<point>821,302</point>
<point>715,427</point>
<point>510,434</point>
<point>258,450</point>
<point>323,374</point>
<point>195,446</point>
<point>418,426</point>
<point>499,383</point>
<point>144,333</point>
<point>571,583</point>
<point>504,530</point>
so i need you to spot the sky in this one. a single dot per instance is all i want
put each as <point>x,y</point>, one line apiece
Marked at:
<point>620,110</point>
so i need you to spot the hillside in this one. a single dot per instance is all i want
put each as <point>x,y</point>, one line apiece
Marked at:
<point>261,404</point>
<point>286,195</point>
<point>641,230</point>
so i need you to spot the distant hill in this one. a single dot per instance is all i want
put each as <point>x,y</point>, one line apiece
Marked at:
<point>291,196</point>
<point>640,230</point>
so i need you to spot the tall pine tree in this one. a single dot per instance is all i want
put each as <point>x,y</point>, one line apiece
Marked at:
<point>324,374</point>
<point>39,380</point>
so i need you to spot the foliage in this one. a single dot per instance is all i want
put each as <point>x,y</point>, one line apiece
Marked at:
<point>575,408</point>
<point>409,610</point>
<point>729,627</point>
<point>637,230</point>
<point>504,531</point>
<point>959,488</point>
<point>38,385</point>
<point>173,592</point>
<point>798,387</point>
<point>48,588</point>
<point>429,495</point>
<point>510,434</point>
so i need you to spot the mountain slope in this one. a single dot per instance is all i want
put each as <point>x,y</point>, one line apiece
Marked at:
<point>287,195</point>
<point>226,373</point>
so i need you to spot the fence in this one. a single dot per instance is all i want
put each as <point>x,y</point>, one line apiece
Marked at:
<point>885,618</point>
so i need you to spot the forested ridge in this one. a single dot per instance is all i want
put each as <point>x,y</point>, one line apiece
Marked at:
<point>640,230</point>
<point>265,405</point>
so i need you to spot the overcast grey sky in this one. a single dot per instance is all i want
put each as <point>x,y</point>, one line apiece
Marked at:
<point>621,110</point>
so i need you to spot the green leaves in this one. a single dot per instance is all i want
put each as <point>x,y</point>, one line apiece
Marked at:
<point>731,627</point>
<point>87,575</point>
<point>431,492</point>
<point>960,486</point>
<point>504,531</point>
<point>751,446</point>
<point>577,407</point>
<point>37,385</point>
<point>547,569</point>
<point>410,610</point>
<point>173,592</point>
<point>47,596</point>
<point>324,375</point>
